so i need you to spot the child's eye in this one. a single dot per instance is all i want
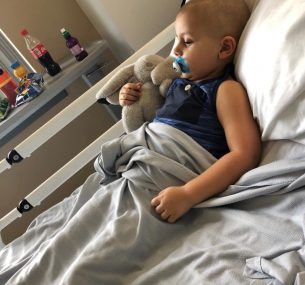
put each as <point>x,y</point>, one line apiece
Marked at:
<point>188,42</point>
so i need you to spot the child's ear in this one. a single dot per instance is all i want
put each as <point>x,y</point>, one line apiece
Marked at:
<point>227,47</point>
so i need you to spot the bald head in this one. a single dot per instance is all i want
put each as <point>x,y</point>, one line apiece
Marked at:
<point>219,17</point>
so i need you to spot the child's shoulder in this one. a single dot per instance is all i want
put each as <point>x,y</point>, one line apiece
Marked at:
<point>231,92</point>
<point>230,85</point>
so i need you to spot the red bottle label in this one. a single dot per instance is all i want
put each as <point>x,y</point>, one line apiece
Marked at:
<point>38,51</point>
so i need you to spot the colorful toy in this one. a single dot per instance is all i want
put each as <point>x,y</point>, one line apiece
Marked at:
<point>29,88</point>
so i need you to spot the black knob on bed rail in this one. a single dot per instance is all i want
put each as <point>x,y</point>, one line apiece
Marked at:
<point>24,206</point>
<point>13,157</point>
<point>103,101</point>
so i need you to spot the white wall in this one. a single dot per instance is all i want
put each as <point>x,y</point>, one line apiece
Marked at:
<point>128,25</point>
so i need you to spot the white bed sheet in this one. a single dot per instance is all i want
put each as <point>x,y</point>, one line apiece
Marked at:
<point>108,233</point>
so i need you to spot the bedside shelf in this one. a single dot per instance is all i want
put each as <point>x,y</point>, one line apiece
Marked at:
<point>54,90</point>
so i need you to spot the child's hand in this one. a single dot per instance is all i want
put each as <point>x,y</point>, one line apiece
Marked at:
<point>130,93</point>
<point>172,203</point>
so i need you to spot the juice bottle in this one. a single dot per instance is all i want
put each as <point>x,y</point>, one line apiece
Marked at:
<point>19,70</point>
<point>73,44</point>
<point>8,86</point>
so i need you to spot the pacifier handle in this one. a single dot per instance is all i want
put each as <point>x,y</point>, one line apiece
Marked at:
<point>180,65</point>
<point>177,67</point>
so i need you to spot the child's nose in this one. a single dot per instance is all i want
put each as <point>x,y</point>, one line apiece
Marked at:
<point>177,51</point>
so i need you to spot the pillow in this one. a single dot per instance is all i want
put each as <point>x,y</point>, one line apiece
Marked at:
<point>270,63</point>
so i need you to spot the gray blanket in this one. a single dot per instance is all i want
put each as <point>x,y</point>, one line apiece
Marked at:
<point>107,233</point>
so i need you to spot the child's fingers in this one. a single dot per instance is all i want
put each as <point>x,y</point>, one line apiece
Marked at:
<point>155,201</point>
<point>139,85</point>
<point>129,94</point>
<point>133,86</point>
<point>171,219</point>
<point>165,215</point>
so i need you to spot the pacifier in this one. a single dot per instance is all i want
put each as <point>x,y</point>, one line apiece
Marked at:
<point>180,65</point>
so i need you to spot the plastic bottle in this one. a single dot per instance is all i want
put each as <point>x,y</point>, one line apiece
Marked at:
<point>40,53</point>
<point>19,70</point>
<point>73,44</point>
<point>8,86</point>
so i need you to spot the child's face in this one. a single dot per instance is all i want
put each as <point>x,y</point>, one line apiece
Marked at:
<point>198,47</point>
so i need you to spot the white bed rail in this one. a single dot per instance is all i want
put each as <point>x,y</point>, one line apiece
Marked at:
<point>38,138</point>
<point>60,176</point>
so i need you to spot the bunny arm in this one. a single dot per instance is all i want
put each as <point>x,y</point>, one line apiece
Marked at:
<point>111,89</point>
<point>132,117</point>
<point>164,86</point>
<point>114,99</point>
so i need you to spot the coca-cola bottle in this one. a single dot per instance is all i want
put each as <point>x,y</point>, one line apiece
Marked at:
<point>40,53</point>
<point>73,44</point>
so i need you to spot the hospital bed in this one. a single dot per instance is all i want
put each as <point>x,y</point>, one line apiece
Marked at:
<point>106,231</point>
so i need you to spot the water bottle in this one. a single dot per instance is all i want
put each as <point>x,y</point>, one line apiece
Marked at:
<point>73,44</point>
<point>40,53</point>
<point>8,86</point>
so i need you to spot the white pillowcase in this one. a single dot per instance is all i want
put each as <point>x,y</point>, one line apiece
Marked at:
<point>270,62</point>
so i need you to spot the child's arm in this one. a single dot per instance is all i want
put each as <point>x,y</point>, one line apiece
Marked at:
<point>243,138</point>
<point>130,93</point>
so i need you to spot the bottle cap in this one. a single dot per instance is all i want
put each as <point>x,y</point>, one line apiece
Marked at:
<point>65,33</point>
<point>15,64</point>
<point>24,32</point>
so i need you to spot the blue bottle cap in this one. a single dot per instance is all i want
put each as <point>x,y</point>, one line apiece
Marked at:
<point>15,64</point>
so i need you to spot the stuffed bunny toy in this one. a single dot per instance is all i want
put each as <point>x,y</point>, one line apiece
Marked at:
<point>156,74</point>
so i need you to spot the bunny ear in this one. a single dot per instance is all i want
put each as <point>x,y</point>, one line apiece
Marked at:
<point>116,82</point>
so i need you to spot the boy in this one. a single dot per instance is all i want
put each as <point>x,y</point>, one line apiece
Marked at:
<point>206,103</point>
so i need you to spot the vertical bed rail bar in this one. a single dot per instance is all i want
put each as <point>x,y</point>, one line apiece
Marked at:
<point>77,107</point>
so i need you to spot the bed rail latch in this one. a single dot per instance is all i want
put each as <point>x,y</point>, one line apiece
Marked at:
<point>24,206</point>
<point>103,101</point>
<point>13,157</point>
